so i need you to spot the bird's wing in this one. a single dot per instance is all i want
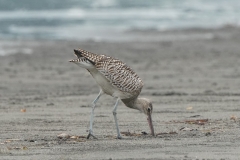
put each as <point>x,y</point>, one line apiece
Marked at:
<point>119,74</point>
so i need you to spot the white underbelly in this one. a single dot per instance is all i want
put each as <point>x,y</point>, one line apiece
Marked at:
<point>103,83</point>
<point>107,87</point>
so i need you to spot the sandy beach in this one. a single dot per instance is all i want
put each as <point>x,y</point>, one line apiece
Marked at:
<point>191,76</point>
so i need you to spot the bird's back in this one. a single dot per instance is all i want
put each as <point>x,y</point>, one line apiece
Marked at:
<point>118,74</point>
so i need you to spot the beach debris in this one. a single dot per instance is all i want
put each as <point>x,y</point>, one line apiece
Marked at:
<point>50,104</point>
<point>9,148</point>
<point>169,94</point>
<point>132,134</point>
<point>195,116</point>
<point>127,133</point>
<point>166,133</point>
<point>78,138</point>
<point>10,140</point>
<point>189,108</point>
<point>75,138</point>
<point>18,148</point>
<point>25,148</point>
<point>63,136</point>
<point>144,133</point>
<point>187,129</point>
<point>234,118</point>
<point>197,121</point>
<point>175,121</point>
<point>208,134</point>
<point>7,141</point>
<point>23,110</point>
<point>110,136</point>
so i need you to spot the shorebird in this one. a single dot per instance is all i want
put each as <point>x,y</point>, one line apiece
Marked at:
<point>116,79</point>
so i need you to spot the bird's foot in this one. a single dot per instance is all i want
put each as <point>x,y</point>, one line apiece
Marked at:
<point>119,137</point>
<point>90,134</point>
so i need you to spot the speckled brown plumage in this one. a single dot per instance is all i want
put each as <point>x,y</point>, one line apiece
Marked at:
<point>118,73</point>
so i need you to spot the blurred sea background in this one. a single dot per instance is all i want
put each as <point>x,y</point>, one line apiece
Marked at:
<point>109,19</point>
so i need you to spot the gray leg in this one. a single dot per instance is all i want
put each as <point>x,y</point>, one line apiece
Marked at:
<point>115,118</point>
<point>92,115</point>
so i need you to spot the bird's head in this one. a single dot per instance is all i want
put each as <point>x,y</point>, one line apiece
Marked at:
<point>145,105</point>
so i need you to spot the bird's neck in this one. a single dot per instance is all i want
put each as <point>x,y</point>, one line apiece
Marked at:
<point>134,103</point>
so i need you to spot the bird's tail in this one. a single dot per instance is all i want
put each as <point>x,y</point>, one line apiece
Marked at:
<point>91,57</point>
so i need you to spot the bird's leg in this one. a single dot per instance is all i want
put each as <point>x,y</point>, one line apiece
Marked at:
<point>115,118</point>
<point>92,115</point>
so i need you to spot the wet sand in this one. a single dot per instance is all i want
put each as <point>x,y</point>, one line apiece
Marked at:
<point>192,77</point>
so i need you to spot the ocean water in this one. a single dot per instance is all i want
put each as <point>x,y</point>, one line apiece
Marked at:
<point>102,19</point>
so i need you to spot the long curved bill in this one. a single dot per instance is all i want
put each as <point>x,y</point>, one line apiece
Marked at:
<point>150,124</point>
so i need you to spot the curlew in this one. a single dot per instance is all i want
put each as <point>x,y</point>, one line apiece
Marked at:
<point>116,79</point>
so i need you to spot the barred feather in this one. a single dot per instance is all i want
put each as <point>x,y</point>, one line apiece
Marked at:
<point>116,72</point>
<point>119,74</point>
<point>92,57</point>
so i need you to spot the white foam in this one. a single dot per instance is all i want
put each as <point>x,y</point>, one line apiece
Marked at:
<point>104,3</point>
<point>101,14</point>
<point>42,14</point>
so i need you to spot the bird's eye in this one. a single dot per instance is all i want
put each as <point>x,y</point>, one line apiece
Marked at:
<point>149,109</point>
